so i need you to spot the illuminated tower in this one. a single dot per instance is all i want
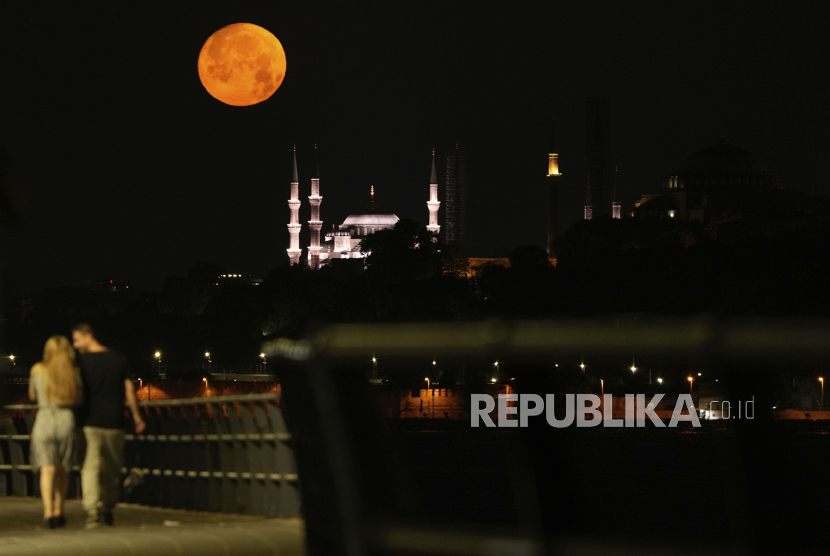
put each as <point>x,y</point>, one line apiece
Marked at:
<point>455,197</point>
<point>294,225</point>
<point>315,224</point>
<point>553,186</point>
<point>598,138</point>
<point>433,202</point>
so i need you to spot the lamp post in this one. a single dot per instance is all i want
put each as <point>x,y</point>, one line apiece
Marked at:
<point>602,387</point>
<point>496,366</point>
<point>207,356</point>
<point>158,356</point>
<point>691,384</point>
<point>206,384</point>
<point>821,380</point>
<point>12,357</point>
<point>374,367</point>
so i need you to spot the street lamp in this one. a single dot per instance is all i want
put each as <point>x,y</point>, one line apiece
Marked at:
<point>821,380</point>
<point>659,380</point>
<point>264,361</point>
<point>582,366</point>
<point>374,367</point>
<point>206,384</point>
<point>433,402</point>
<point>602,387</point>
<point>691,383</point>
<point>158,356</point>
<point>12,357</point>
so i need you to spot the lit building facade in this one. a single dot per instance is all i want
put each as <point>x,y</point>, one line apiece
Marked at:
<point>344,243</point>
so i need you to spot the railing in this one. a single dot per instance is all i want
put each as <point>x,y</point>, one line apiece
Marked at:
<point>361,497</point>
<point>358,498</point>
<point>229,454</point>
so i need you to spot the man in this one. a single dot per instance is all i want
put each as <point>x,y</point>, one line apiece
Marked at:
<point>107,383</point>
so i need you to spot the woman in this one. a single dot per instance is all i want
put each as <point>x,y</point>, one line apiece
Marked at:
<point>56,385</point>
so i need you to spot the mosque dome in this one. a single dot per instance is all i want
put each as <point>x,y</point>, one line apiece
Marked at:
<point>724,159</point>
<point>371,220</point>
<point>722,166</point>
<point>373,215</point>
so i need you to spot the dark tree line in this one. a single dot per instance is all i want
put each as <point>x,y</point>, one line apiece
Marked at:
<point>605,266</point>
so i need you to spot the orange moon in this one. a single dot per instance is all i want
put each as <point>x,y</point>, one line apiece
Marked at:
<point>242,64</point>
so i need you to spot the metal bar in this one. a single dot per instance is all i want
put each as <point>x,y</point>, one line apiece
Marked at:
<point>197,453</point>
<point>745,340</point>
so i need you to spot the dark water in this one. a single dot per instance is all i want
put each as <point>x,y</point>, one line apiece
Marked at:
<point>707,488</point>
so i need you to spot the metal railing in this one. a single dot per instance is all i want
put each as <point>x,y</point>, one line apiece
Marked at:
<point>363,500</point>
<point>228,454</point>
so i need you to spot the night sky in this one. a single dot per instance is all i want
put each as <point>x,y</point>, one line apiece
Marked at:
<point>127,168</point>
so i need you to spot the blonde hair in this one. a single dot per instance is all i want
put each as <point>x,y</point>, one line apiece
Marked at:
<point>60,371</point>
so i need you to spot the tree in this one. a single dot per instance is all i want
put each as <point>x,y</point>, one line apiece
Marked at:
<point>405,252</point>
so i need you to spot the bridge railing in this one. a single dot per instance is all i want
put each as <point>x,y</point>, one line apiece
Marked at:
<point>362,496</point>
<point>228,454</point>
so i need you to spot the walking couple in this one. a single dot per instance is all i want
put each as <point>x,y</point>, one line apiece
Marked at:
<point>88,391</point>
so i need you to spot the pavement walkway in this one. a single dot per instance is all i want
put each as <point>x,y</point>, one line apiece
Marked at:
<point>142,530</point>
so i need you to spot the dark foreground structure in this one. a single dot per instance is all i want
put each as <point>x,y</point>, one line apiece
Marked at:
<point>368,485</point>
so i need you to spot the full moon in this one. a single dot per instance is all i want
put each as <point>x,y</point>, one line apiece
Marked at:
<point>242,64</point>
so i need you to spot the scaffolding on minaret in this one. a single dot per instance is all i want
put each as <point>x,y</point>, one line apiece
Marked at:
<point>315,224</point>
<point>294,226</point>
<point>433,204</point>
<point>455,199</point>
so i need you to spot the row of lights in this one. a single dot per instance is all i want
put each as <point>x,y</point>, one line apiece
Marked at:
<point>207,356</point>
<point>602,382</point>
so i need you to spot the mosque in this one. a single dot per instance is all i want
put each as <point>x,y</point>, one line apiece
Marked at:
<point>716,179</point>
<point>344,241</point>
<point>721,185</point>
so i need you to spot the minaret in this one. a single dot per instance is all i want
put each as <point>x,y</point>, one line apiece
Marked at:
<point>553,190</point>
<point>589,205</point>
<point>294,225</point>
<point>598,149</point>
<point>433,202</point>
<point>315,224</point>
